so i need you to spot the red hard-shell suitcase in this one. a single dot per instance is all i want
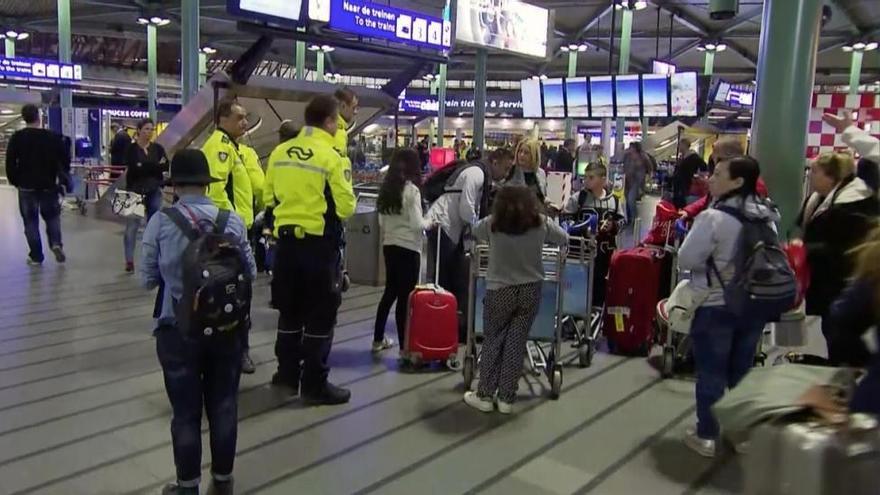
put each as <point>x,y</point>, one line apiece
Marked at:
<point>432,326</point>
<point>432,322</point>
<point>633,292</point>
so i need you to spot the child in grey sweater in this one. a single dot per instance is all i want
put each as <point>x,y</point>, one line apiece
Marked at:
<point>516,232</point>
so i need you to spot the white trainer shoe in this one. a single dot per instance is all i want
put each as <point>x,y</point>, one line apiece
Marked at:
<point>482,405</point>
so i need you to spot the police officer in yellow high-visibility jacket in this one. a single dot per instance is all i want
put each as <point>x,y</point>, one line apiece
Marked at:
<point>348,108</point>
<point>309,186</point>
<point>255,173</point>
<point>234,191</point>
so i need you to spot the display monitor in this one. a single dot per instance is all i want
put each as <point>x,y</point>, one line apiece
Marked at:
<point>554,97</point>
<point>721,92</point>
<point>663,67</point>
<point>601,96</point>
<point>655,95</point>
<point>284,12</point>
<point>577,97</point>
<point>627,88</point>
<point>684,94</point>
<point>739,97</point>
<point>509,25</point>
<point>374,20</point>
<point>531,98</point>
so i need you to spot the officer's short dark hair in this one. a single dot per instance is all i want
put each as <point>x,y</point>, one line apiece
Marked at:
<point>345,94</point>
<point>30,113</point>
<point>321,108</point>
<point>224,109</point>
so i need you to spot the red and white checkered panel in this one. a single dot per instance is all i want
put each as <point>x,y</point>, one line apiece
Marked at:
<point>822,138</point>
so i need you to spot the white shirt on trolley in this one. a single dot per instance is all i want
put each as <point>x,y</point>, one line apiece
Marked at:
<point>407,228</point>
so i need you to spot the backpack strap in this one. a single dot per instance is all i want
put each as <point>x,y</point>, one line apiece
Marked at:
<point>182,223</point>
<point>222,221</point>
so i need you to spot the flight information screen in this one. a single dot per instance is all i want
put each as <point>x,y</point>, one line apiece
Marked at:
<point>273,11</point>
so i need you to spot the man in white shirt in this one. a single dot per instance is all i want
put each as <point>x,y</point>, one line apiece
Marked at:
<point>465,201</point>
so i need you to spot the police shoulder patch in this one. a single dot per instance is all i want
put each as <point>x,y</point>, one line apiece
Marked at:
<point>223,156</point>
<point>347,175</point>
<point>224,139</point>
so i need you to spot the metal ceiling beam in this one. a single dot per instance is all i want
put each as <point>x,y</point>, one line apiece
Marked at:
<point>697,26</point>
<point>857,27</point>
<point>831,45</point>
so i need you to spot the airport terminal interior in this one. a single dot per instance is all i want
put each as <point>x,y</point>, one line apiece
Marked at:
<point>83,402</point>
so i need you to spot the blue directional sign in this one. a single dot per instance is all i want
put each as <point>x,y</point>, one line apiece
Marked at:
<point>381,21</point>
<point>40,70</point>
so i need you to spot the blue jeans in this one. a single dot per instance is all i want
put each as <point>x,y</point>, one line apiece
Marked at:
<point>36,204</point>
<point>632,194</point>
<point>724,352</point>
<point>201,371</point>
<point>152,204</point>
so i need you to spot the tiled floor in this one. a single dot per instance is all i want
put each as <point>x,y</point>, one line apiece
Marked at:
<point>83,410</point>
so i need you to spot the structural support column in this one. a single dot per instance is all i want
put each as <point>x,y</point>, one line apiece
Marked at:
<point>300,61</point>
<point>480,98</point>
<point>64,57</point>
<point>203,69</point>
<point>623,68</point>
<point>709,66</point>
<point>572,72</point>
<point>319,67</point>
<point>786,71</point>
<point>441,105</point>
<point>152,70</point>
<point>855,71</point>
<point>189,49</point>
<point>10,48</point>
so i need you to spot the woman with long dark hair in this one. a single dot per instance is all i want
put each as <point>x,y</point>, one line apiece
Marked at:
<point>724,342</point>
<point>145,162</point>
<point>400,216</point>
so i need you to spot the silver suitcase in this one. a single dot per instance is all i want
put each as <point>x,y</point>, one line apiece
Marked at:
<point>789,457</point>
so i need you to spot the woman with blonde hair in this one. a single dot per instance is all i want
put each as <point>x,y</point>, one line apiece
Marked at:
<point>834,220</point>
<point>527,170</point>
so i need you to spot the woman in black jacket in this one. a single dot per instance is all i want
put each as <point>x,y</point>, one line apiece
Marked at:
<point>834,220</point>
<point>145,163</point>
<point>853,314</point>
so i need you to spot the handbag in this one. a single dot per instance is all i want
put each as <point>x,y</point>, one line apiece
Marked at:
<point>127,204</point>
<point>682,304</point>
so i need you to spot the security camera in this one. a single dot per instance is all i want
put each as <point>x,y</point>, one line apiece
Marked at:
<point>720,10</point>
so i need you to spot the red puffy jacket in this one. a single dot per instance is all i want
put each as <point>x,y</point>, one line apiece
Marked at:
<point>701,204</point>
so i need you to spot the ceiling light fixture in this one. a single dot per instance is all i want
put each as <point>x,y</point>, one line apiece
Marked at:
<point>860,46</point>
<point>208,50</point>
<point>631,4</point>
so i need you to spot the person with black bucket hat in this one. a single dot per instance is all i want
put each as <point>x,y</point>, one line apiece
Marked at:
<point>189,250</point>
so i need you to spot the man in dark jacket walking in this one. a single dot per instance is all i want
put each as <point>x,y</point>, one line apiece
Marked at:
<point>689,164</point>
<point>39,166</point>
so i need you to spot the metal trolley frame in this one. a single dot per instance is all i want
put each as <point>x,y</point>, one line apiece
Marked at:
<point>577,277</point>
<point>540,361</point>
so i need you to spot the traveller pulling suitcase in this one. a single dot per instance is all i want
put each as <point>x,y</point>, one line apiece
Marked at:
<point>432,322</point>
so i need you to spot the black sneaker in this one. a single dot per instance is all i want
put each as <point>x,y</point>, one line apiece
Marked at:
<point>247,364</point>
<point>175,489</point>
<point>221,487</point>
<point>278,380</point>
<point>59,254</point>
<point>329,395</point>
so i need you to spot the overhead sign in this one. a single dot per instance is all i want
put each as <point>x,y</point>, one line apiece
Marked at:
<point>509,102</point>
<point>509,25</point>
<point>285,12</point>
<point>40,70</point>
<point>125,113</point>
<point>381,21</point>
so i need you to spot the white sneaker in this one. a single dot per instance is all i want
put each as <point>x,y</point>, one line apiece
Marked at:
<point>505,407</point>
<point>385,344</point>
<point>482,405</point>
<point>702,446</point>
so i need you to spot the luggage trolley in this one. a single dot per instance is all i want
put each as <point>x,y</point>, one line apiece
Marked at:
<point>577,300</point>
<point>547,327</point>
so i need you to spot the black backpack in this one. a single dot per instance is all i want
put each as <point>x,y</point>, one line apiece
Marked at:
<point>764,283</point>
<point>216,284</point>
<point>441,182</point>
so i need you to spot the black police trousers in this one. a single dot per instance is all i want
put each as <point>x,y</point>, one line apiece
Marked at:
<point>306,292</point>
